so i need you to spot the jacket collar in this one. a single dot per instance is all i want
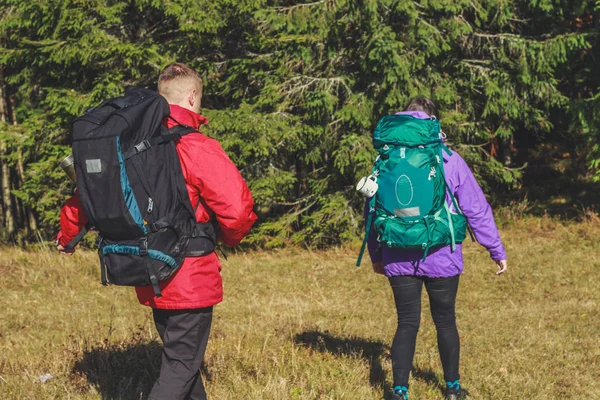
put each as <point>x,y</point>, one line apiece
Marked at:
<point>415,114</point>
<point>183,116</point>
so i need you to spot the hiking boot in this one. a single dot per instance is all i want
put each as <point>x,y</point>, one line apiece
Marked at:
<point>400,393</point>
<point>454,394</point>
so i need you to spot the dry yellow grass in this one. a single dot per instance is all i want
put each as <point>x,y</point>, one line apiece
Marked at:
<point>297,324</point>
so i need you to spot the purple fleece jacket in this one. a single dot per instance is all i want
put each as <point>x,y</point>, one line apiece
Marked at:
<point>442,261</point>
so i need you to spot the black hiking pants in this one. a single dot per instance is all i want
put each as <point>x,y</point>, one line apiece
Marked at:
<point>184,334</point>
<point>442,298</point>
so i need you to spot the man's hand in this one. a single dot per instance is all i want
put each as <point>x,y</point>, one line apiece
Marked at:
<point>502,266</point>
<point>378,268</point>
<point>62,250</point>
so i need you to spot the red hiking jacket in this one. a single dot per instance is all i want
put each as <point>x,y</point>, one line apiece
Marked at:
<point>213,179</point>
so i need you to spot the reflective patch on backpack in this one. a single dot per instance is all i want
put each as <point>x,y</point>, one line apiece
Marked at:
<point>407,212</point>
<point>93,166</point>
<point>404,190</point>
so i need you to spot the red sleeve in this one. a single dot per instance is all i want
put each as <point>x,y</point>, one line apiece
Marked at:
<point>72,220</point>
<point>221,186</point>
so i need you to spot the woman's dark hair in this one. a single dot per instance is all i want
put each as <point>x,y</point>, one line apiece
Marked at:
<point>423,104</point>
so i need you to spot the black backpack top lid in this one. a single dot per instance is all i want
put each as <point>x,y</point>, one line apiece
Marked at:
<point>139,113</point>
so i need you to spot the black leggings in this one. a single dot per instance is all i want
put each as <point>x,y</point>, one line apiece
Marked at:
<point>442,297</point>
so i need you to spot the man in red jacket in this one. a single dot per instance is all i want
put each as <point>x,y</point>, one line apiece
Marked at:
<point>183,314</point>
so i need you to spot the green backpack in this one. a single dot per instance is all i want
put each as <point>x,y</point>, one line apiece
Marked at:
<point>409,209</point>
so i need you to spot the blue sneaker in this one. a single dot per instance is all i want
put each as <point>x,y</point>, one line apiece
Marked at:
<point>400,393</point>
<point>455,392</point>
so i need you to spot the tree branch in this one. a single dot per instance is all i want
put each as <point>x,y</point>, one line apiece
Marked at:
<point>296,6</point>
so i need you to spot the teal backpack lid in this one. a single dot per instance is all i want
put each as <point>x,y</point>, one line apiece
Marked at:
<point>405,130</point>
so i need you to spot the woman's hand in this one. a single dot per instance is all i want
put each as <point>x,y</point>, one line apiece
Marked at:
<point>502,266</point>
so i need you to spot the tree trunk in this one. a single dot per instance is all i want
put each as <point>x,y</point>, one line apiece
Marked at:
<point>29,220</point>
<point>507,151</point>
<point>6,196</point>
<point>5,169</point>
<point>1,217</point>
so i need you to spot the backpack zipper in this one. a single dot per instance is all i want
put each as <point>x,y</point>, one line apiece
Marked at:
<point>150,205</point>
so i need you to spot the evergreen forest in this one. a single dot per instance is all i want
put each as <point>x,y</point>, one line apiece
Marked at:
<point>294,89</point>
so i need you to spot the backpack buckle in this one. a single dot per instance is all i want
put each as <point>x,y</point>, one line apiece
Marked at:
<point>142,146</point>
<point>143,247</point>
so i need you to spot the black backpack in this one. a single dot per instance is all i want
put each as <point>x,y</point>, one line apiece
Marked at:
<point>132,190</point>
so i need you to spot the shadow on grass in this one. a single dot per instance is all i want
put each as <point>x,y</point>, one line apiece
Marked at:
<point>428,377</point>
<point>122,371</point>
<point>370,350</point>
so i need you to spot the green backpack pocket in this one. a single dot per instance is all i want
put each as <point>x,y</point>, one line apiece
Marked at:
<point>440,229</point>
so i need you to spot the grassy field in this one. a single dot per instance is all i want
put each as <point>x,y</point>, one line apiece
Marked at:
<point>298,324</point>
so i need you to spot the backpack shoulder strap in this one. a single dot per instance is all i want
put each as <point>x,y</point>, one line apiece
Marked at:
<point>175,133</point>
<point>181,130</point>
<point>71,245</point>
<point>453,198</point>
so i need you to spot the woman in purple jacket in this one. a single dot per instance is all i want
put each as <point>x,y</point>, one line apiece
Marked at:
<point>440,272</point>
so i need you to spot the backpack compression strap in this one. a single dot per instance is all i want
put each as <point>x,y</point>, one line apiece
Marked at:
<point>175,133</point>
<point>367,230</point>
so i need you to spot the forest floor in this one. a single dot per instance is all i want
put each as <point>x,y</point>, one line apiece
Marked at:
<point>301,324</point>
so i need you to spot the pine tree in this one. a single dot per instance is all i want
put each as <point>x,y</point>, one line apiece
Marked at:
<point>294,89</point>
<point>60,58</point>
<point>324,72</point>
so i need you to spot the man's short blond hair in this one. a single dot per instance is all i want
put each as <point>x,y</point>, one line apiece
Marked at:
<point>176,80</point>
